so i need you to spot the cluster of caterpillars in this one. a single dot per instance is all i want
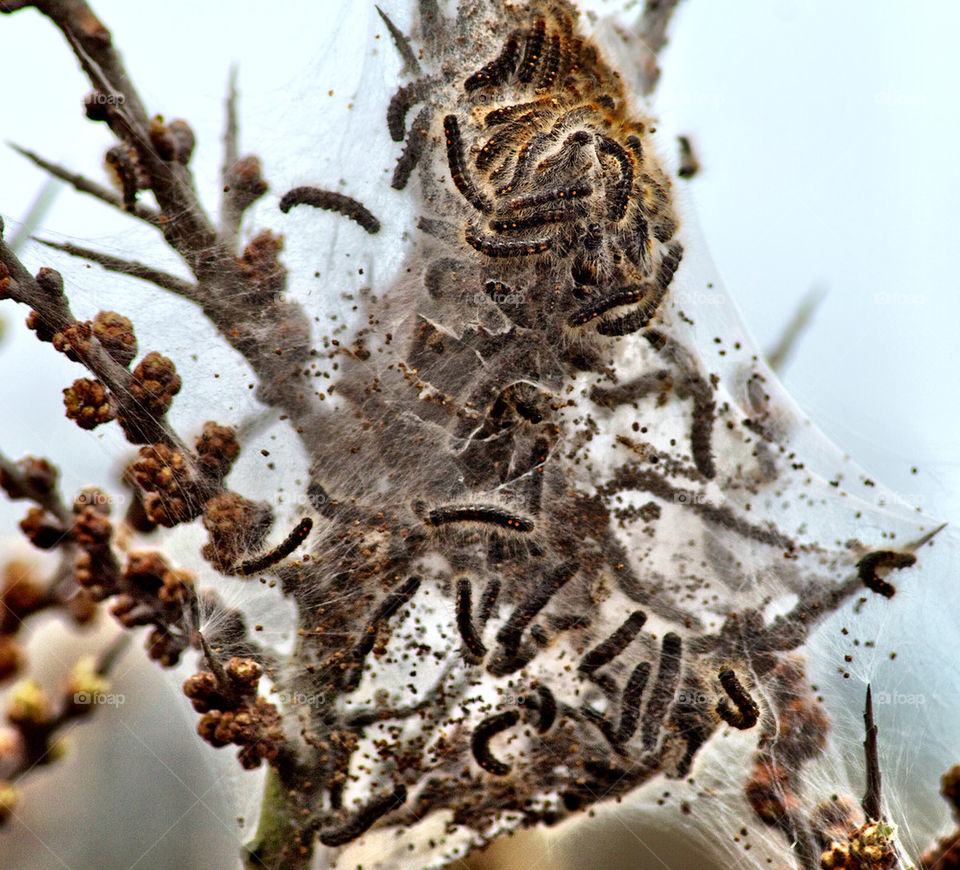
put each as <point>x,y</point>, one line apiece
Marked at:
<point>743,714</point>
<point>552,167</point>
<point>567,225</point>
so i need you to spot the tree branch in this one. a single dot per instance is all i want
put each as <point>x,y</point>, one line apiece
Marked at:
<point>162,279</point>
<point>652,29</point>
<point>85,185</point>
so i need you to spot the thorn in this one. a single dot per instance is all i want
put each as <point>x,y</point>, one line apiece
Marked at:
<point>112,653</point>
<point>402,43</point>
<point>798,324</point>
<point>924,539</point>
<point>871,797</point>
<point>223,681</point>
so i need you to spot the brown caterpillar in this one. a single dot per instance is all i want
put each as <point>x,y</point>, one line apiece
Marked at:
<point>479,513</point>
<point>609,649</point>
<point>413,149</point>
<point>547,708</point>
<point>364,819</point>
<point>664,688</point>
<point>500,68</point>
<point>630,702</point>
<point>512,630</point>
<point>400,104</point>
<point>468,633</point>
<point>484,733</point>
<point>331,201</point>
<point>747,713</point>
<point>278,553</point>
<point>888,559</point>
<point>457,164</point>
<point>392,602</point>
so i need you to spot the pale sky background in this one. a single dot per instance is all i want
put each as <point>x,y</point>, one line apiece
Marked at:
<point>827,134</point>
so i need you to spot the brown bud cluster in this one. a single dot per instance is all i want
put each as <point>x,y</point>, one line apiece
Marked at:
<point>89,530</point>
<point>217,449</point>
<point>234,713</point>
<point>91,526</point>
<point>44,331</point>
<point>155,383</point>
<point>236,525</point>
<point>115,334</point>
<point>123,168</point>
<point>158,595</point>
<point>870,848</point>
<point>42,529</point>
<point>38,479</point>
<point>4,281</point>
<point>246,183</point>
<point>166,477</point>
<point>260,265</point>
<point>96,569</point>
<point>74,341</point>
<point>88,402</point>
<point>173,141</point>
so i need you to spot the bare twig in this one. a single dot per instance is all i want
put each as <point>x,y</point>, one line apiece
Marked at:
<point>187,227</point>
<point>84,30</point>
<point>689,164</point>
<point>229,214</point>
<point>162,279</point>
<point>48,499</point>
<point>787,343</point>
<point>53,309</point>
<point>411,64</point>
<point>190,232</point>
<point>85,185</point>
<point>38,209</point>
<point>652,29</point>
<point>871,796</point>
